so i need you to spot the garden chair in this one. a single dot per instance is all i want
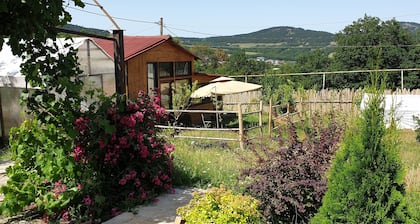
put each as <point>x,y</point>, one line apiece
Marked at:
<point>206,123</point>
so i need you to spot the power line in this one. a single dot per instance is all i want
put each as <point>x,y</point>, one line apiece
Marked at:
<point>136,21</point>
<point>119,18</point>
<point>189,31</point>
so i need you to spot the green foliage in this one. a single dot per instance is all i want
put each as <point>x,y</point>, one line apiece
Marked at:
<point>417,120</point>
<point>43,174</point>
<point>240,64</point>
<point>210,59</point>
<point>366,180</point>
<point>219,205</point>
<point>181,98</point>
<point>27,20</point>
<point>29,25</point>
<point>374,44</point>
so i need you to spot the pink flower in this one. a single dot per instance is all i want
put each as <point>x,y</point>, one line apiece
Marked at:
<point>78,153</point>
<point>139,116</point>
<point>128,121</point>
<point>140,137</point>
<point>45,218</point>
<point>123,181</point>
<point>144,153</point>
<point>102,144</point>
<point>165,177</point>
<point>65,216</point>
<point>131,195</point>
<point>115,212</point>
<point>81,124</point>
<point>79,186</point>
<point>132,174</point>
<point>111,158</point>
<point>137,182</point>
<point>88,201</point>
<point>169,148</point>
<point>124,142</point>
<point>143,195</point>
<point>133,106</point>
<point>157,181</point>
<point>59,188</point>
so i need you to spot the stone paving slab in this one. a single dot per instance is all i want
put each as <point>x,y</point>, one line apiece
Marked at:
<point>163,211</point>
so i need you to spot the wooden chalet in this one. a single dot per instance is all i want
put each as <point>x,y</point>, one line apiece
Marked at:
<point>155,62</point>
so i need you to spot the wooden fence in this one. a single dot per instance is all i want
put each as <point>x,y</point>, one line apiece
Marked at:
<point>239,113</point>
<point>344,101</point>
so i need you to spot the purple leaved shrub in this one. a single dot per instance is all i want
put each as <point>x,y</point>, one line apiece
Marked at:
<point>289,178</point>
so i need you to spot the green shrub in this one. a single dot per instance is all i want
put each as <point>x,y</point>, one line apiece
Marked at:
<point>44,172</point>
<point>417,120</point>
<point>366,180</point>
<point>219,205</point>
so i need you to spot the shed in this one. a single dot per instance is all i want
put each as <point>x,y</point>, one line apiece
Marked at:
<point>154,62</point>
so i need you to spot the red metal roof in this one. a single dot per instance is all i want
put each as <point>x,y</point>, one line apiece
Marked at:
<point>133,45</point>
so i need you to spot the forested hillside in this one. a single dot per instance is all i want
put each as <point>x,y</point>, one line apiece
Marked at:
<point>282,43</point>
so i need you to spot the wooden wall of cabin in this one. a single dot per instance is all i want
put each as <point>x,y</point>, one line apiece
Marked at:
<point>137,66</point>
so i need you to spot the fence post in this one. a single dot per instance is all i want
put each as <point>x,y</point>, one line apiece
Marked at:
<point>241,127</point>
<point>402,79</point>
<point>270,117</point>
<point>260,118</point>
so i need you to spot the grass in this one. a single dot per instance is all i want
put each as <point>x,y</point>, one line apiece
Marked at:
<point>410,155</point>
<point>5,154</point>
<point>206,163</point>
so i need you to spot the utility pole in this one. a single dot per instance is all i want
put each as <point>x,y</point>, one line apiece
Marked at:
<point>161,26</point>
<point>107,14</point>
<point>119,63</point>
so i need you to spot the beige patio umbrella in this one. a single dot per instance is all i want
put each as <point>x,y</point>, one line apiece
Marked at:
<point>224,88</point>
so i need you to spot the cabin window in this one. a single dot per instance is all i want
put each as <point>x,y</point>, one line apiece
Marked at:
<point>167,76</point>
<point>166,94</point>
<point>152,81</point>
<point>165,69</point>
<point>183,68</point>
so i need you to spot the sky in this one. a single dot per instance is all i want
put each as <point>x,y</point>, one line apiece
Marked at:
<point>188,18</point>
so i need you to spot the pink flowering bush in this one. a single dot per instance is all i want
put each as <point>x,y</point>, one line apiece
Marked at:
<point>125,162</point>
<point>111,161</point>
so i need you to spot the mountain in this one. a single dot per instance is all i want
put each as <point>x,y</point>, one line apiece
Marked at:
<point>282,43</point>
<point>410,26</point>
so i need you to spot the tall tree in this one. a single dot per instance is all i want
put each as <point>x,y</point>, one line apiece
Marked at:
<point>240,64</point>
<point>314,61</point>
<point>366,180</point>
<point>370,43</point>
<point>210,59</point>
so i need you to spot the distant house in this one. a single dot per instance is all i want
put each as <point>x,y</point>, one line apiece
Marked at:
<point>154,62</point>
